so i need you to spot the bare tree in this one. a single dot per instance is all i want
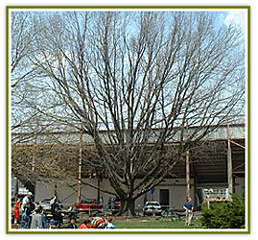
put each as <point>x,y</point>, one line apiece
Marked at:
<point>26,88</point>
<point>144,78</point>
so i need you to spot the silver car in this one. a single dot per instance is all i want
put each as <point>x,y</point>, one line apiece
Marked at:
<point>152,207</point>
<point>45,204</point>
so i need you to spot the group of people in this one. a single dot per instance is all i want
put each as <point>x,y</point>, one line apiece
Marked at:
<point>97,222</point>
<point>32,214</point>
<point>34,217</point>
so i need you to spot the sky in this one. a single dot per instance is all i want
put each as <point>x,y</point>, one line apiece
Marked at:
<point>238,17</point>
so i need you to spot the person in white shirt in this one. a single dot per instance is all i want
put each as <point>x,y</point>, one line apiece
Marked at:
<point>26,202</point>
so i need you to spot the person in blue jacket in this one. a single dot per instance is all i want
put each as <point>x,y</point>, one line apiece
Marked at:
<point>188,207</point>
<point>109,224</point>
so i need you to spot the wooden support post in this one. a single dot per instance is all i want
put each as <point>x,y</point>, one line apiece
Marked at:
<point>187,167</point>
<point>16,189</point>
<point>229,163</point>
<point>98,197</point>
<point>55,191</point>
<point>195,192</point>
<point>34,149</point>
<point>145,198</point>
<point>188,173</point>
<point>79,170</point>
<point>195,184</point>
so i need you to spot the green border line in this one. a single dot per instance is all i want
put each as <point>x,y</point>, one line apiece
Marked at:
<point>128,7</point>
<point>248,120</point>
<point>249,116</point>
<point>7,121</point>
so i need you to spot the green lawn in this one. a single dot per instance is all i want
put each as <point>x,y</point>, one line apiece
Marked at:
<point>144,223</point>
<point>157,224</point>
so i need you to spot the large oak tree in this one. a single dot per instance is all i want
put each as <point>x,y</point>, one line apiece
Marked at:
<point>143,77</point>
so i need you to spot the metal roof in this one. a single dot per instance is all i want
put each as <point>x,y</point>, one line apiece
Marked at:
<point>208,166</point>
<point>73,137</point>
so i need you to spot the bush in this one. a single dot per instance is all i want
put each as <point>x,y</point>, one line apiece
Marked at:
<point>225,214</point>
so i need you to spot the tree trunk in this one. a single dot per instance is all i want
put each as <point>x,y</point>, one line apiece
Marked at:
<point>127,207</point>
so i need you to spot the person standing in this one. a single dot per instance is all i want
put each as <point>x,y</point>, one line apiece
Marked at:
<point>188,207</point>
<point>53,204</point>
<point>37,219</point>
<point>27,206</point>
<point>16,211</point>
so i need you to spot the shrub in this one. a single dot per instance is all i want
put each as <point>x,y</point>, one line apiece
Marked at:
<point>225,214</point>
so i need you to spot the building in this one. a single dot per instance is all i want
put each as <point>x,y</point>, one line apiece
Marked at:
<point>218,167</point>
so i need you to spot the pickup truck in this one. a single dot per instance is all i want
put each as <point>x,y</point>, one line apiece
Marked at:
<point>88,204</point>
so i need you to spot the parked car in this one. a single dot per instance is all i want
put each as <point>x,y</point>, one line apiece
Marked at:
<point>88,204</point>
<point>45,203</point>
<point>152,207</point>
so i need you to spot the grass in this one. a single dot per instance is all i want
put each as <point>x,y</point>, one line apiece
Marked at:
<point>150,224</point>
<point>157,224</point>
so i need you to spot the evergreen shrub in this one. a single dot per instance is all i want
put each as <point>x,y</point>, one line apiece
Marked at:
<point>225,214</point>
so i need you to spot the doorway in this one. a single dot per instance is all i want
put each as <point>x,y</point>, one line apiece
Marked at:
<point>164,197</point>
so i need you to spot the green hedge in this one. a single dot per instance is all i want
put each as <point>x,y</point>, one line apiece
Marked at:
<point>225,214</point>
